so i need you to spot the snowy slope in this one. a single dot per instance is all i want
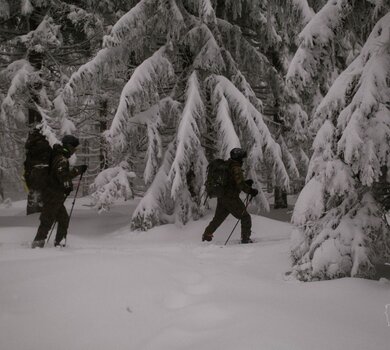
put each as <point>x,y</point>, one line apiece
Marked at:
<point>164,289</point>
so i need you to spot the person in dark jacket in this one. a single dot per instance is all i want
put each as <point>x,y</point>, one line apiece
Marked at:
<point>59,186</point>
<point>230,202</point>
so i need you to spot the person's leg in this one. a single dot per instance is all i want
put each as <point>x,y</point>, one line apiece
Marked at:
<point>63,223</point>
<point>237,208</point>
<point>220,215</point>
<point>47,219</point>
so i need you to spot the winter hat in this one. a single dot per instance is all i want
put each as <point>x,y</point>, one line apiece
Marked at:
<point>70,140</point>
<point>238,154</point>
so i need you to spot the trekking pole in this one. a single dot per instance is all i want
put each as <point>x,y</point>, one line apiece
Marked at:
<point>74,199</point>
<point>247,201</point>
<point>51,231</point>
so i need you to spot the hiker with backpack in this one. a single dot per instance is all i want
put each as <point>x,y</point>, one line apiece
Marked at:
<point>226,184</point>
<point>36,168</point>
<point>58,187</point>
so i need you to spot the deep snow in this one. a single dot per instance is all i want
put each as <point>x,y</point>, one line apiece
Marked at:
<point>164,289</point>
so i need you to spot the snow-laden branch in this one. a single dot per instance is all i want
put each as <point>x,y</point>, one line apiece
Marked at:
<point>125,36</point>
<point>208,53</point>
<point>152,119</point>
<point>365,122</point>
<point>141,91</point>
<point>61,110</point>
<point>242,84</point>
<point>298,120</point>
<point>226,134</point>
<point>188,143</point>
<point>91,71</point>
<point>306,10</point>
<point>338,95</point>
<point>206,12</point>
<point>244,54</point>
<point>132,20</point>
<point>288,159</point>
<point>46,35</point>
<point>170,19</point>
<point>112,184</point>
<point>19,73</point>
<point>239,80</point>
<point>322,28</point>
<point>258,136</point>
<point>46,129</point>
<point>317,35</point>
<point>151,210</point>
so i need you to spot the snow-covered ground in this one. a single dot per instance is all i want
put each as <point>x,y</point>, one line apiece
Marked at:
<point>164,289</point>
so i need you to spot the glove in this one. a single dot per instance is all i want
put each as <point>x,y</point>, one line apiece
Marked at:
<point>249,182</point>
<point>254,192</point>
<point>82,168</point>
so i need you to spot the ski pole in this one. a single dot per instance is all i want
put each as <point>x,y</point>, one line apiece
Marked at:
<point>247,201</point>
<point>74,199</point>
<point>51,231</point>
<point>75,196</point>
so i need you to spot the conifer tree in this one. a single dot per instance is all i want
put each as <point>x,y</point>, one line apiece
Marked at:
<point>41,42</point>
<point>189,77</point>
<point>328,43</point>
<point>340,224</point>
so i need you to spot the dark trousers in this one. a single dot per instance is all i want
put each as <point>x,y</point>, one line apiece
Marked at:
<point>53,210</point>
<point>234,206</point>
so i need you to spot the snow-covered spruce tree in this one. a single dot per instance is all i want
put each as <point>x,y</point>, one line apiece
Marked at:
<point>340,226</point>
<point>42,42</point>
<point>328,44</point>
<point>189,80</point>
<point>273,28</point>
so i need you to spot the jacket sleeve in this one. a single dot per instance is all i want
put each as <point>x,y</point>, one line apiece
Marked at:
<point>239,179</point>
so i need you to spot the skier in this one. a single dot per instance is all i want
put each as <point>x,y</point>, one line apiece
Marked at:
<point>59,186</point>
<point>230,202</point>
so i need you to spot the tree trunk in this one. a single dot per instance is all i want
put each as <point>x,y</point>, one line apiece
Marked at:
<point>280,198</point>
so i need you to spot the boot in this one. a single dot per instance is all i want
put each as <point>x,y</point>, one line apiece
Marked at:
<point>207,237</point>
<point>245,239</point>
<point>38,244</point>
<point>59,244</point>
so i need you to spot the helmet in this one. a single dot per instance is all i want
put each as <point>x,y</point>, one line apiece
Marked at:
<point>237,154</point>
<point>70,140</point>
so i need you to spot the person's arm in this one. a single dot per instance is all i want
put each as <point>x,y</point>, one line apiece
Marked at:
<point>239,179</point>
<point>63,172</point>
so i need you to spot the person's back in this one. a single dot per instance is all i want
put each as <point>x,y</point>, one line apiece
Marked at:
<point>36,168</point>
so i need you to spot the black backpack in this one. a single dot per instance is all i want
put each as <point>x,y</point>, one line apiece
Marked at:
<point>38,161</point>
<point>218,178</point>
